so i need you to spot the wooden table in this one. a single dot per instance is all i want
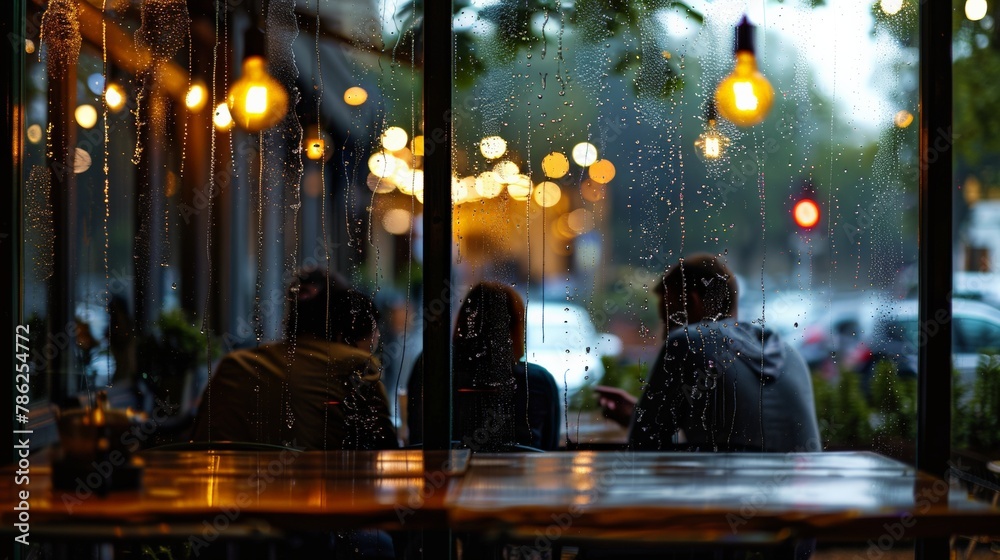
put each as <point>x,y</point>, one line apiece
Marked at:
<point>744,497</point>
<point>249,494</point>
<point>583,495</point>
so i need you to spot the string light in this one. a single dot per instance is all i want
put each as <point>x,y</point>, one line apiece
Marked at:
<point>711,143</point>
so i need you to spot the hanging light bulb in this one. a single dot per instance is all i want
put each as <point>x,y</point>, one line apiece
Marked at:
<point>745,96</point>
<point>256,101</point>
<point>314,142</point>
<point>712,143</point>
<point>975,10</point>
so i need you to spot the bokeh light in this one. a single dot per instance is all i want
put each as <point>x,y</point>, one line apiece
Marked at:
<point>555,165</point>
<point>394,138</point>
<point>602,171</point>
<point>584,154</point>
<point>355,96</point>
<point>493,147</point>
<point>547,194</point>
<point>86,116</point>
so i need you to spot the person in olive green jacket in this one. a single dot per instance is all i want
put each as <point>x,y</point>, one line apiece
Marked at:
<point>318,389</point>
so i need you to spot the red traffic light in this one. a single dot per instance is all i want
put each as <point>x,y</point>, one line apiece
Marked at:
<point>806,213</point>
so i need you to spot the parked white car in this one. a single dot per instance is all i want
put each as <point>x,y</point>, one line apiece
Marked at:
<point>561,338</point>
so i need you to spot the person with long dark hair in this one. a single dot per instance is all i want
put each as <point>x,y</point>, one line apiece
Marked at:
<point>500,400</point>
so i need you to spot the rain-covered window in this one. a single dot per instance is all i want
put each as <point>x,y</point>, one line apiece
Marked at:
<point>593,152</point>
<point>188,167</point>
<point>975,315</point>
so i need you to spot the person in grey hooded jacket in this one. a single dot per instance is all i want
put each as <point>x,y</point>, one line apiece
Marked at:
<point>718,384</point>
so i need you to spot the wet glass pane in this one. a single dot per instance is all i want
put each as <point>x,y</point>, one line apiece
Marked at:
<point>187,166</point>
<point>976,302</point>
<point>590,157</point>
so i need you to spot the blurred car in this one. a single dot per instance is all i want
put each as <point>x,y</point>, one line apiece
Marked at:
<point>896,338</point>
<point>785,311</point>
<point>561,338</point>
<point>831,338</point>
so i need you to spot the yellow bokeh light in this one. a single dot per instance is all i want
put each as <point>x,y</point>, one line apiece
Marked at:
<point>493,147</point>
<point>407,180</point>
<point>584,154</point>
<point>903,118</point>
<point>489,185</point>
<point>520,188</point>
<point>382,165</point>
<point>891,7</point>
<point>222,119</point>
<point>416,186</point>
<point>196,97</point>
<point>29,46</point>
<point>459,190</point>
<point>469,182</point>
<point>86,116</point>
<point>506,170</point>
<point>555,165</point>
<point>592,191</point>
<point>315,148</point>
<point>397,221</point>
<point>580,220</point>
<point>394,138</point>
<point>379,185</point>
<point>602,171</point>
<point>114,96</point>
<point>355,96</point>
<point>417,145</point>
<point>562,228</point>
<point>34,133</point>
<point>547,194</point>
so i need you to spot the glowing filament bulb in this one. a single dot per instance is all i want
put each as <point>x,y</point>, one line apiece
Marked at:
<point>256,103</point>
<point>711,143</point>
<point>712,149</point>
<point>744,97</point>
